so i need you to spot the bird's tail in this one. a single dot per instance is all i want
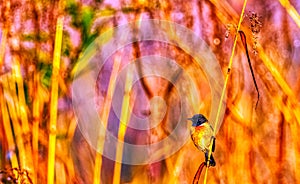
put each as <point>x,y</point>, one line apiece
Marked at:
<point>198,173</point>
<point>212,163</point>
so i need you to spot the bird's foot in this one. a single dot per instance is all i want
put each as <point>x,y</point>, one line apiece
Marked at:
<point>211,161</point>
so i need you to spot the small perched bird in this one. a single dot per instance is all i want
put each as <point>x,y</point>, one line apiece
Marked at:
<point>201,134</point>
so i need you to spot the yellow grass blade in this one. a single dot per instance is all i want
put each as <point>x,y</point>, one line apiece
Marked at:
<point>8,131</point>
<point>35,125</point>
<point>54,97</point>
<point>22,114</point>
<point>104,118</point>
<point>225,86</point>
<point>125,117</point>
<point>294,104</point>
<point>21,96</point>
<point>291,11</point>
<point>11,104</point>
<point>2,46</point>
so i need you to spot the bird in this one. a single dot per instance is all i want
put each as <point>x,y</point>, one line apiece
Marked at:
<point>202,133</point>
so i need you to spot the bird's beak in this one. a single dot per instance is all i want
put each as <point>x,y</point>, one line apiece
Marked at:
<point>190,119</point>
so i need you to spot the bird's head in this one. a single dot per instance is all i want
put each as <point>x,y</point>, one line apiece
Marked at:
<point>198,119</point>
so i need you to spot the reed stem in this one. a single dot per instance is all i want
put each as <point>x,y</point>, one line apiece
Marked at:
<point>54,97</point>
<point>10,96</point>
<point>291,11</point>
<point>125,116</point>
<point>8,130</point>
<point>2,46</point>
<point>35,125</point>
<point>224,87</point>
<point>104,119</point>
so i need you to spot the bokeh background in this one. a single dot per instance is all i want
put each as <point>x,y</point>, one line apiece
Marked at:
<point>254,145</point>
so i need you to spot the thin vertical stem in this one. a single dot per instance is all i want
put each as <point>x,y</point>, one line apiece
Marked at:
<point>35,126</point>
<point>2,46</point>
<point>54,97</point>
<point>225,86</point>
<point>9,93</point>
<point>22,114</point>
<point>21,103</point>
<point>104,119</point>
<point>8,132</point>
<point>125,116</point>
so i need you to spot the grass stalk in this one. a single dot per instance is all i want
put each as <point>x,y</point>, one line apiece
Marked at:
<point>225,86</point>
<point>8,131</point>
<point>104,119</point>
<point>10,96</point>
<point>281,82</point>
<point>291,11</point>
<point>35,125</point>
<point>25,132</point>
<point>21,103</point>
<point>125,117</point>
<point>54,98</point>
<point>2,46</point>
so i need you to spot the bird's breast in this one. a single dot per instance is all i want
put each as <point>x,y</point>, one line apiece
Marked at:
<point>201,136</point>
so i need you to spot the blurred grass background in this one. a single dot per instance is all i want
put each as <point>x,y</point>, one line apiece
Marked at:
<point>253,146</point>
